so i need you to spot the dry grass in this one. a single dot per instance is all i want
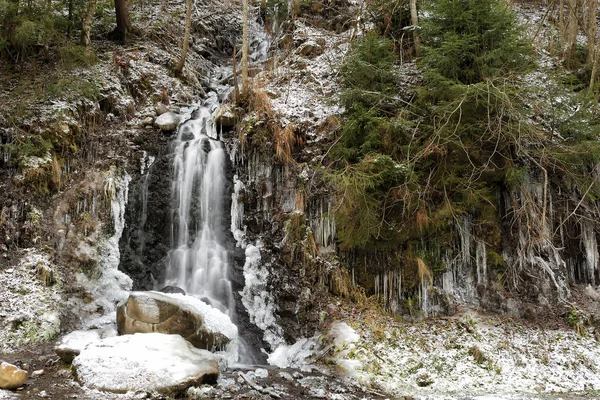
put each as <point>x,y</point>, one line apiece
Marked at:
<point>285,140</point>
<point>425,274</point>
<point>55,173</point>
<point>422,220</point>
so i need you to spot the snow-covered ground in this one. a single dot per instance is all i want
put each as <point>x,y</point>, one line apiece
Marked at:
<point>29,310</point>
<point>468,355</point>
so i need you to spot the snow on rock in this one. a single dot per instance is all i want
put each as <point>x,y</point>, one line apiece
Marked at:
<point>204,326</point>
<point>71,345</point>
<point>168,121</point>
<point>29,310</point>
<point>306,97</point>
<point>342,334</point>
<point>167,364</point>
<point>296,355</point>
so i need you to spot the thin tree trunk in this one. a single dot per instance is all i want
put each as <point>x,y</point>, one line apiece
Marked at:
<point>573,26</point>
<point>591,31</point>
<point>86,23</point>
<point>245,49</point>
<point>236,88</point>
<point>70,18</point>
<point>414,21</point>
<point>186,37</point>
<point>561,26</point>
<point>595,65</point>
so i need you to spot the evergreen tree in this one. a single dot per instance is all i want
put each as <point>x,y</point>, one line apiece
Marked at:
<point>469,41</point>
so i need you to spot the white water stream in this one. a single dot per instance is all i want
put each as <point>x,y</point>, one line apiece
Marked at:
<point>198,261</point>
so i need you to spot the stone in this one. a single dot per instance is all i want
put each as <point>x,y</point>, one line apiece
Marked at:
<point>224,117</point>
<point>147,121</point>
<point>172,289</point>
<point>261,373</point>
<point>72,344</point>
<point>310,48</point>
<point>11,376</point>
<point>148,362</point>
<point>168,121</point>
<point>161,109</point>
<point>175,109</point>
<point>202,325</point>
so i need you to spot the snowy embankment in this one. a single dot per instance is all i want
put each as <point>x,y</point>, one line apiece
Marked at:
<point>468,355</point>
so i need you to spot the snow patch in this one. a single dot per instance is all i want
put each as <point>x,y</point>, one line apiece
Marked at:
<point>295,355</point>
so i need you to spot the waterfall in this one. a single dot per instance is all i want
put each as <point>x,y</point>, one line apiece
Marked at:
<point>198,261</point>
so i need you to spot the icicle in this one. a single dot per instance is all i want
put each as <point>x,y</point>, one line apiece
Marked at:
<point>481,261</point>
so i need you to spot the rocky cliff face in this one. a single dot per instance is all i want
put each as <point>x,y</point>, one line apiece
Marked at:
<point>283,239</point>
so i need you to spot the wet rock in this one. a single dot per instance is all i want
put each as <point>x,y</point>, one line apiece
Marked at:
<point>202,325</point>
<point>225,117</point>
<point>309,49</point>
<point>175,109</point>
<point>11,376</point>
<point>147,121</point>
<point>172,289</point>
<point>73,344</point>
<point>168,121</point>
<point>167,364</point>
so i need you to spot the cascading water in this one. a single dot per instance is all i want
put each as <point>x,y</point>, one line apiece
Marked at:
<point>198,261</point>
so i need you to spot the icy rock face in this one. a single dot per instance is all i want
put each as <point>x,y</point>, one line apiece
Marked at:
<point>112,286</point>
<point>259,303</point>
<point>203,326</point>
<point>167,364</point>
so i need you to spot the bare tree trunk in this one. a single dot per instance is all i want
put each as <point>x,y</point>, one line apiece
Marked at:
<point>86,23</point>
<point>591,31</point>
<point>163,5</point>
<point>236,88</point>
<point>186,37</point>
<point>561,26</point>
<point>595,65</point>
<point>414,21</point>
<point>123,21</point>
<point>573,26</point>
<point>245,49</point>
<point>70,18</point>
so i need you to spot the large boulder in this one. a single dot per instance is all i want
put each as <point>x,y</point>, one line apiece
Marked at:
<point>11,376</point>
<point>148,362</point>
<point>202,325</point>
<point>71,345</point>
<point>168,121</point>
